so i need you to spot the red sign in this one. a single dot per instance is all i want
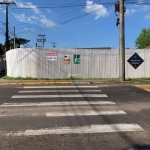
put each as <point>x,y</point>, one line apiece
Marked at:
<point>51,54</point>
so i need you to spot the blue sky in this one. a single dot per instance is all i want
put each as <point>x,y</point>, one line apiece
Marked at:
<point>75,23</point>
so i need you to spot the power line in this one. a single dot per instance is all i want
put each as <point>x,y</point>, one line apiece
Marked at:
<point>7,33</point>
<point>67,21</point>
<point>71,15</point>
<point>66,15</point>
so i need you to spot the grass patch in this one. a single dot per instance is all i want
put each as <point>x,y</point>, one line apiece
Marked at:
<point>71,78</point>
<point>58,79</point>
<point>108,80</point>
<point>19,78</point>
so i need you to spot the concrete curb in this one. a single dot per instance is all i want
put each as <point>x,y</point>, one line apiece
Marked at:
<point>53,82</point>
<point>47,83</point>
<point>20,82</point>
<point>63,82</point>
<point>32,83</point>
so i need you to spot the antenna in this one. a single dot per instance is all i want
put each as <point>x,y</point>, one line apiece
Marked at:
<point>54,44</point>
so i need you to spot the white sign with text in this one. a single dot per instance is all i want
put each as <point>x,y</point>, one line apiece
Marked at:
<point>51,56</point>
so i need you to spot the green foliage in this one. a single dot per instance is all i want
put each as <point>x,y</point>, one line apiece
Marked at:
<point>72,78</point>
<point>18,42</point>
<point>18,78</point>
<point>143,40</point>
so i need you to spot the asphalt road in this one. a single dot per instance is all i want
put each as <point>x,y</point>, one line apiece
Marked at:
<point>110,117</point>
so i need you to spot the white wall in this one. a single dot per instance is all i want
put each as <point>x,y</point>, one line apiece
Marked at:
<point>32,62</point>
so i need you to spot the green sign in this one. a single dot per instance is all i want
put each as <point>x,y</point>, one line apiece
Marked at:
<point>76,59</point>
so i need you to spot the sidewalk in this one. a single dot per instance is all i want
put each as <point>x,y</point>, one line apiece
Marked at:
<point>4,82</point>
<point>31,82</point>
<point>46,82</point>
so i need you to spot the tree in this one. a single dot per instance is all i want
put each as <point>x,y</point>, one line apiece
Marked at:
<point>18,42</point>
<point>2,49</point>
<point>143,40</point>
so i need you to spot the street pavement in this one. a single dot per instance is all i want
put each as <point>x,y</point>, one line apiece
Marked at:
<point>74,117</point>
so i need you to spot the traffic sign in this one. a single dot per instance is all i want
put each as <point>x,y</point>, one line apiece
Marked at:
<point>135,60</point>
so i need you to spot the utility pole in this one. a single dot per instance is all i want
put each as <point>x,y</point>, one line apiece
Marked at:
<point>41,38</point>
<point>54,44</point>
<point>122,43</point>
<point>7,32</point>
<point>119,7</point>
<point>14,38</point>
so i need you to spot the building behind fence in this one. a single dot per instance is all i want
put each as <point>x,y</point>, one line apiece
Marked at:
<point>93,63</point>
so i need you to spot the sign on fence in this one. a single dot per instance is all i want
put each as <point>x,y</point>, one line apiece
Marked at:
<point>51,56</point>
<point>76,59</point>
<point>67,59</point>
<point>135,60</point>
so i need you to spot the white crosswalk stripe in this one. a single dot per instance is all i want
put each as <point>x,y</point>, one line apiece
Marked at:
<point>67,113</point>
<point>58,87</point>
<point>64,91</point>
<point>59,96</point>
<point>89,113</point>
<point>59,103</point>
<point>66,110</point>
<point>77,130</point>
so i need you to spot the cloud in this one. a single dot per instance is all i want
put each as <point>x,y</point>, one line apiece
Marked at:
<point>37,18</point>
<point>23,18</point>
<point>97,9</point>
<point>30,29</point>
<point>40,20</point>
<point>28,5</point>
<point>130,11</point>
<point>2,9</point>
<point>145,7</point>
<point>147,16</point>
<point>46,22</point>
<point>137,8</point>
<point>142,6</point>
<point>140,1</point>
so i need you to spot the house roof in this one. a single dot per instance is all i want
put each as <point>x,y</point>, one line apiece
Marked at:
<point>148,47</point>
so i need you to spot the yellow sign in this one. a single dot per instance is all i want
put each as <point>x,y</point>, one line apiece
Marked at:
<point>67,59</point>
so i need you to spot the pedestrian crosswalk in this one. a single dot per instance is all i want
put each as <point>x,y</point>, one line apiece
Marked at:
<point>64,91</point>
<point>80,130</point>
<point>58,87</point>
<point>58,96</point>
<point>74,104</point>
<point>59,103</point>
